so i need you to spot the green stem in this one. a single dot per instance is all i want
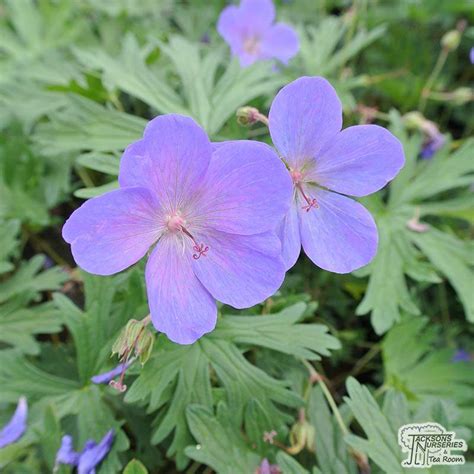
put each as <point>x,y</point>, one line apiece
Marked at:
<point>43,246</point>
<point>365,359</point>
<point>359,457</point>
<point>442,57</point>
<point>314,376</point>
<point>115,100</point>
<point>262,118</point>
<point>84,175</point>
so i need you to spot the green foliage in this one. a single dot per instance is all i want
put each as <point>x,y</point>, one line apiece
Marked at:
<point>84,121</point>
<point>404,250</point>
<point>8,243</point>
<point>381,425</point>
<point>421,372</point>
<point>135,467</point>
<point>326,38</point>
<point>220,446</point>
<point>331,451</point>
<point>177,376</point>
<point>30,184</point>
<point>19,325</point>
<point>29,281</point>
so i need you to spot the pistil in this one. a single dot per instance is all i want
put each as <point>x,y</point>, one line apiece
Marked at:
<point>175,223</point>
<point>252,45</point>
<point>201,249</point>
<point>311,202</point>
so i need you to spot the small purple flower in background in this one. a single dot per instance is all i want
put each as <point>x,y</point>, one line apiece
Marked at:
<point>432,145</point>
<point>107,377</point>
<point>337,233</point>
<point>91,455</point>
<point>434,139</point>
<point>267,468</point>
<point>249,31</point>
<point>462,355</point>
<point>211,214</point>
<point>15,428</point>
<point>471,55</point>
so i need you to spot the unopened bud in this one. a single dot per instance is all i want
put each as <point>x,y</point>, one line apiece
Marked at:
<point>134,337</point>
<point>120,345</point>
<point>450,40</point>
<point>144,346</point>
<point>462,95</point>
<point>247,115</point>
<point>414,120</point>
<point>302,435</point>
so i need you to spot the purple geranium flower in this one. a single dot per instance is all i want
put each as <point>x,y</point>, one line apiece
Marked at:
<point>434,139</point>
<point>325,163</point>
<point>267,468</point>
<point>15,428</point>
<point>249,31</point>
<point>211,215</point>
<point>432,144</point>
<point>66,453</point>
<point>461,355</point>
<point>91,455</point>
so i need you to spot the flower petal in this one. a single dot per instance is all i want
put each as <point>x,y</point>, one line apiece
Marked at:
<point>304,116</point>
<point>250,18</point>
<point>106,377</point>
<point>359,161</point>
<point>241,270</point>
<point>280,42</point>
<point>289,234</point>
<point>15,428</point>
<point>179,152</point>
<point>231,28</point>
<point>135,166</point>
<point>217,145</point>
<point>257,14</point>
<point>93,455</point>
<point>66,453</point>
<point>248,189</point>
<point>340,235</point>
<point>248,22</point>
<point>180,306</point>
<point>113,231</point>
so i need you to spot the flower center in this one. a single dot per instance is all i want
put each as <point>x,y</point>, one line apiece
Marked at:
<point>252,45</point>
<point>297,177</point>
<point>175,223</point>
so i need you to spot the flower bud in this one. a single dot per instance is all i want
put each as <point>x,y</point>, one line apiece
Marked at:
<point>414,120</point>
<point>120,345</point>
<point>462,95</point>
<point>134,337</point>
<point>144,346</point>
<point>247,115</point>
<point>450,40</point>
<point>302,435</point>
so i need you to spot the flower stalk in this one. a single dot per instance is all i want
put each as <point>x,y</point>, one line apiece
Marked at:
<point>315,377</point>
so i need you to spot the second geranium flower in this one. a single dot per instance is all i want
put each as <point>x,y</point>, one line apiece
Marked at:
<point>337,233</point>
